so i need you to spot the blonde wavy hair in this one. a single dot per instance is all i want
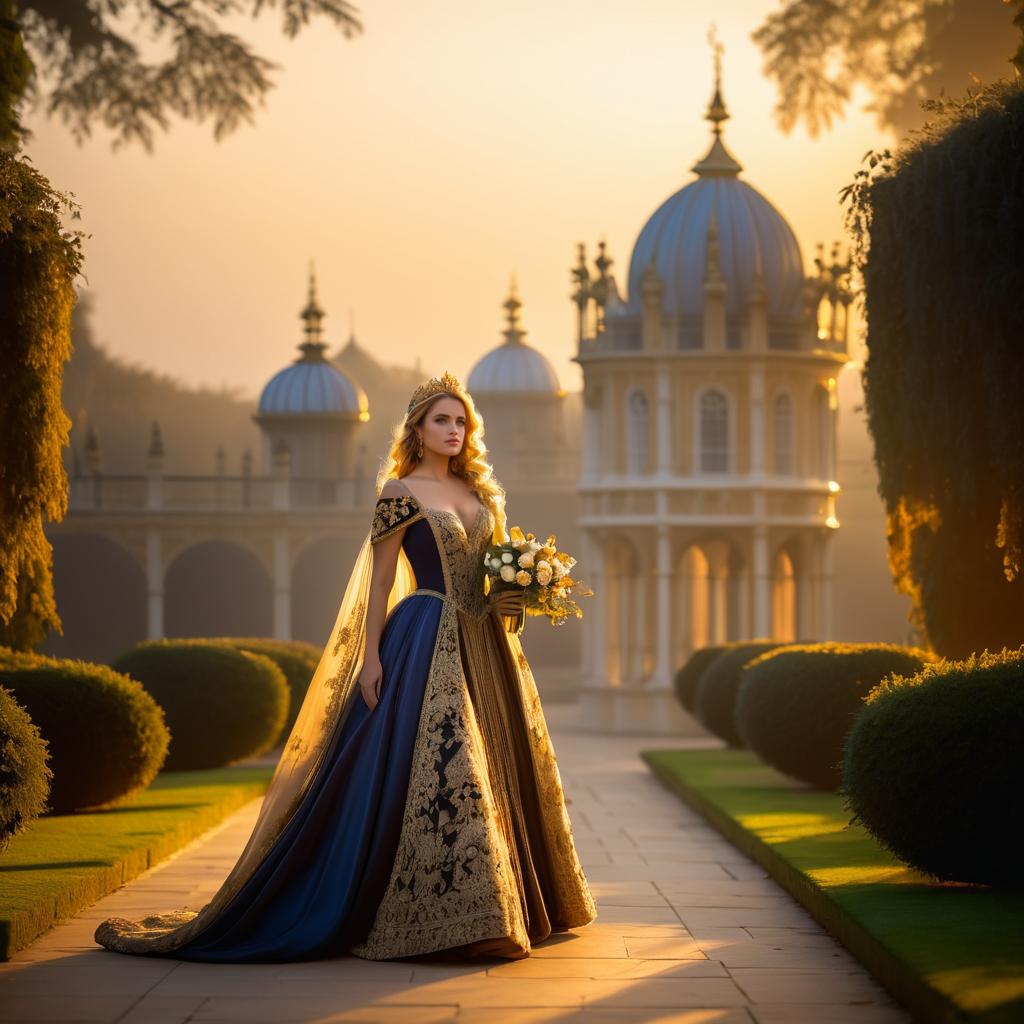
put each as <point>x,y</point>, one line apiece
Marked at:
<point>470,464</point>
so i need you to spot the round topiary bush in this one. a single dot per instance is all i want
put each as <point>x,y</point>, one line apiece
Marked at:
<point>298,661</point>
<point>933,763</point>
<point>222,704</point>
<point>24,774</point>
<point>796,705</point>
<point>107,737</point>
<point>687,678</point>
<point>715,703</point>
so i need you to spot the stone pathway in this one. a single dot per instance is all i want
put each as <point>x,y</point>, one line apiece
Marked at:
<point>689,930</point>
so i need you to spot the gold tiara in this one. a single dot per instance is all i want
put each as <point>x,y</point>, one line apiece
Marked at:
<point>435,386</point>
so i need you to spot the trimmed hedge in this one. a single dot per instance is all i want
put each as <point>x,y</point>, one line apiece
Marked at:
<point>222,704</point>
<point>688,677</point>
<point>933,763</point>
<point>107,737</point>
<point>796,705</point>
<point>715,703</point>
<point>24,774</point>
<point>297,659</point>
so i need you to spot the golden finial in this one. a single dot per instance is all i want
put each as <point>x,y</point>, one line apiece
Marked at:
<point>447,383</point>
<point>716,108</point>
<point>514,332</point>
<point>313,316</point>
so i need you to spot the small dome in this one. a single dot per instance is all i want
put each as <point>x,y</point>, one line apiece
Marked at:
<point>313,386</point>
<point>753,236</point>
<point>514,366</point>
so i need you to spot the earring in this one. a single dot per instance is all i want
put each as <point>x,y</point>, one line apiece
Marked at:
<point>419,454</point>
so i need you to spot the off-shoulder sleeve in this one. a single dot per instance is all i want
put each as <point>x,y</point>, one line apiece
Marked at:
<point>392,514</point>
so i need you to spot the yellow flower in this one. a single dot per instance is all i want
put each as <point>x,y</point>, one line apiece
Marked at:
<point>523,578</point>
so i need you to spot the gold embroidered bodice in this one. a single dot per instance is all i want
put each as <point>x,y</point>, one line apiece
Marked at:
<point>460,550</point>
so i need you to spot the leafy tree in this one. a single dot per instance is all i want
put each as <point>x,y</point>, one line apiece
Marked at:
<point>89,67</point>
<point>39,261</point>
<point>937,230</point>
<point>903,51</point>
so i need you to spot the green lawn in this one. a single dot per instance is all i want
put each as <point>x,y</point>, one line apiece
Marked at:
<point>64,863</point>
<point>950,952</point>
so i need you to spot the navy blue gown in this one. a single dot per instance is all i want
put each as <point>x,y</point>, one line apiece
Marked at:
<point>475,847</point>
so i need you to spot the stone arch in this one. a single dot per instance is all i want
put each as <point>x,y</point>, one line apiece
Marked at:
<point>711,577</point>
<point>785,572</point>
<point>623,631</point>
<point>95,630</point>
<point>218,588</point>
<point>320,572</point>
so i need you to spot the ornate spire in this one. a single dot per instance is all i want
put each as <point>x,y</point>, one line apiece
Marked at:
<point>718,160</point>
<point>313,346</point>
<point>514,333</point>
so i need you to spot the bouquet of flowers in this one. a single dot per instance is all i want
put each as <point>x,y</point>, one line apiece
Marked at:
<point>540,570</point>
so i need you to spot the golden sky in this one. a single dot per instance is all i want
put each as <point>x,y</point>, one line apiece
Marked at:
<point>420,164</point>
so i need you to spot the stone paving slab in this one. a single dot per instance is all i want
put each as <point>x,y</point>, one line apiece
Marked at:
<point>689,931</point>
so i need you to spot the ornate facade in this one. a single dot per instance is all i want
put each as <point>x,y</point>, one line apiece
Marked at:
<point>708,485</point>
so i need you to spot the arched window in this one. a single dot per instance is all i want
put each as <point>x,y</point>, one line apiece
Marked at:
<point>637,432</point>
<point>783,416</point>
<point>714,433</point>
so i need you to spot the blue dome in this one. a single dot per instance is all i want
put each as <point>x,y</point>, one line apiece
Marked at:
<point>513,366</point>
<point>751,232</point>
<point>312,387</point>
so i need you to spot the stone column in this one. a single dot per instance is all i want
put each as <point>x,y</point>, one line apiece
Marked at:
<point>762,583</point>
<point>662,678</point>
<point>825,583</point>
<point>282,586</point>
<point>154,585</point>
<point>664,421</point>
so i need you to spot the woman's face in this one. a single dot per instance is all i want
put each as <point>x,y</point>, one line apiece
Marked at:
<point>444,427</point>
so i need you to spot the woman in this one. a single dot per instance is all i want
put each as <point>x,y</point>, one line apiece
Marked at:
<point>417,805</point>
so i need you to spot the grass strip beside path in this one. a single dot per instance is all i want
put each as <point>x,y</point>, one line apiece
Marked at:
<point>64,863</point>
<point>949,952</point>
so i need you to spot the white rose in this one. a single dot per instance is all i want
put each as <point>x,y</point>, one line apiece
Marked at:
<point>506,557</point>
<point>508,574</point>
<point>495,563</point>
<point>526,560</point>
<point>544,564</point>
<point>543,576</point>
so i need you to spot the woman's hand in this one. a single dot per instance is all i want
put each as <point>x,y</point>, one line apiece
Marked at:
<point>508,602</point>
<point>370,676</point>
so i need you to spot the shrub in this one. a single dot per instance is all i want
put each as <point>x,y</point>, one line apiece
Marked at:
<point>688,676</point>
<point>932,768</point>
<point>298,661</point>
<point>222,704</point>
<point>796,705</point>
<point>107,737</point>
<point>24,774</point>
<point>715,703</point>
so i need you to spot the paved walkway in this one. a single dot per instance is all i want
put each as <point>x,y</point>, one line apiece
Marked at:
<point>689,930</point>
